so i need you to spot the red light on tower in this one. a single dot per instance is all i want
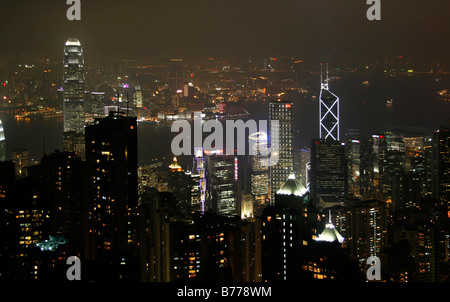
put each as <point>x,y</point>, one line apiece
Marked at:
<point>287,105</point>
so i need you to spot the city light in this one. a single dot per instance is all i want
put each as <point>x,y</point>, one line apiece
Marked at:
<point>205,148</point>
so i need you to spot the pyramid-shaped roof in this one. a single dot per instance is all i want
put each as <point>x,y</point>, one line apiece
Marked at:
<point>292,187</point>
<point>330,234</point>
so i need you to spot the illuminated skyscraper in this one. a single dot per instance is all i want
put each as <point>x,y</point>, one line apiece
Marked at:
<point>328,111</point>
<point>281,111</point>
<point>441,166</point>
<point>74,104</point>
<point>2,143</point>
<point>223,185</point>
<point>259,172</point>
<point>198,175</point>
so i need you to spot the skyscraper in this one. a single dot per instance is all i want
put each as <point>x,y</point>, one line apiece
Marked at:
<point>259,173</point>
<point>365,228</point>
<point>2,143</point>
<point>285,232</point>
<point>198,176</point>
<point>74,104</point>
<point>61,179</point>
<point>223,185</point>
<point>179,184</point>
<point>328,111</point>
<point>328,172</point>
<point>111,164</point>
<point>282,140</point>
<point>391,161</point>
<point>441,166</point>
<point>359,165</point>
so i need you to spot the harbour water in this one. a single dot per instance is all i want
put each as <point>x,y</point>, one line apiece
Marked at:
<point>414,108</point>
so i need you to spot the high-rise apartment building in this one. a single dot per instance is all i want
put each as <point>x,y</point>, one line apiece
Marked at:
<point>61,180</point>
<point>111,164</point>
<point>364,225</point>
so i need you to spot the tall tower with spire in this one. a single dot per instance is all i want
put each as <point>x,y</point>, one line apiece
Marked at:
<point>74,105</point>
<point>328,110</point>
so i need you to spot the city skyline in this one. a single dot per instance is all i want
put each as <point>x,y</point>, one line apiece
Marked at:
<point>88,171</point>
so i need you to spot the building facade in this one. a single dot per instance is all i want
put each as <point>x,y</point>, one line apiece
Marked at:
<point>281,138</point>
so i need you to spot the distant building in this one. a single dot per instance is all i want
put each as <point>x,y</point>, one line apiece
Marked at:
<point>176,76</point>
<point>137,97</point>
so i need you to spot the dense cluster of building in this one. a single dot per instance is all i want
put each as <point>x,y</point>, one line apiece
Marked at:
<point>318,214</point>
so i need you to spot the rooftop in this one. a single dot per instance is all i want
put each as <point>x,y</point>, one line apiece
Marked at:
<point>292,187</point>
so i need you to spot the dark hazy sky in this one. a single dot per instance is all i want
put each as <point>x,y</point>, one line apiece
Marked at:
<point>138,28</point>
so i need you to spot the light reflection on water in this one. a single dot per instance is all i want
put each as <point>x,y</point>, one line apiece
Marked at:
<point>416,108</point>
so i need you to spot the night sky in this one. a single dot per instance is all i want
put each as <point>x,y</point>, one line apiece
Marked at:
<point>303,28</point>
